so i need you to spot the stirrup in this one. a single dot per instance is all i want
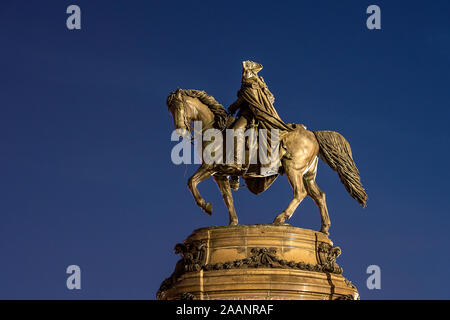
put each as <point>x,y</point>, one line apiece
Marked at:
<point>234,182</point>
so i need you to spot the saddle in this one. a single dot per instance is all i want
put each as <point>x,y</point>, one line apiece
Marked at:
<point>259,177</point>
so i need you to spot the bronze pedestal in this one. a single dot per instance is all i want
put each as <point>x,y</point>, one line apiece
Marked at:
<point>257,262</point>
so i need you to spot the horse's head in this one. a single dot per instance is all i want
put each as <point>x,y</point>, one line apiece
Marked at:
<point>190,105</point>
<point>181,116</point>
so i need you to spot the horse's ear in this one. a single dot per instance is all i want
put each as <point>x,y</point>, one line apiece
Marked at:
<point>178,93</point>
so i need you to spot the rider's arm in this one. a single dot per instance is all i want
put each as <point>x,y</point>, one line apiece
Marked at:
<point>236,105</point>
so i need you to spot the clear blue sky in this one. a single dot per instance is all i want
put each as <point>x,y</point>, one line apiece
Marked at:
<point>85,170</point>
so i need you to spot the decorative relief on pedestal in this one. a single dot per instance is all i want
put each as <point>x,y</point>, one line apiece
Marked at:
<point>346,297</point>
<point>193,254</point>
<point>187,296</point>
<point>267,258</point>
<point>194,257</point>
<point>264,257</point>
<point>327,257</point>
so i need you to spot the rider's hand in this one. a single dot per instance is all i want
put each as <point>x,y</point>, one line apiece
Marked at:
<point>231,109</point>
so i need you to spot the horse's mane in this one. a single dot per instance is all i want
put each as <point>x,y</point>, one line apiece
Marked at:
<point>220,114</point>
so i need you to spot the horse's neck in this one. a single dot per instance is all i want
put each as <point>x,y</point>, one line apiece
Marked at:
<point>200,112</point>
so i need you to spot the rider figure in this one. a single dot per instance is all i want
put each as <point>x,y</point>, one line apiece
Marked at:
<point>254,102</point>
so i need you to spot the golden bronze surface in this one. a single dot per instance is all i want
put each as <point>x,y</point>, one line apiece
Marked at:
<point>273,261</point>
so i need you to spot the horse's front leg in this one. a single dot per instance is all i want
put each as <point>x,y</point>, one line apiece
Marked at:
<point>201,174</point>
<point>225,189</point>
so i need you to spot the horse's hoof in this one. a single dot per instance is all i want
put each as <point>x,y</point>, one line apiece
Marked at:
<point>233,223</point>
<point>279,220</point>
<point>325,231</point>
<point>281,224</point>
<point>208,208</point>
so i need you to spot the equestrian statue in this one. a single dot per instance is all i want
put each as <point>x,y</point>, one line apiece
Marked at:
<point>297,149</point>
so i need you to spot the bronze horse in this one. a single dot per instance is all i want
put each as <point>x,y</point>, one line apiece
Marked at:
<point>298,157</point>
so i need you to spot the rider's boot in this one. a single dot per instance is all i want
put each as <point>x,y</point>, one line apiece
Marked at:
<point>237,162</point>
<point>240,124</point>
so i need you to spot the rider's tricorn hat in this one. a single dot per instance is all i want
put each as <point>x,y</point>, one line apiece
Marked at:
<point>250,65</point>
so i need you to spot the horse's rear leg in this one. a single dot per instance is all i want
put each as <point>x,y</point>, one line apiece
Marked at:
<point>296,180</point>
<point>318,196</point>
<point>225,189</point>
<point>201,174</point>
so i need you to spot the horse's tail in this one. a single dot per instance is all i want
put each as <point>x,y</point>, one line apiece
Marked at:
<point>335,151</point>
